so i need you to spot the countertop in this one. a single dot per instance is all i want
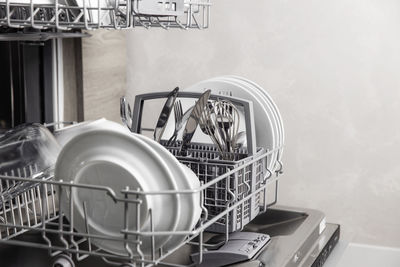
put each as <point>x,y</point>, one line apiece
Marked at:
<point>362,255</point>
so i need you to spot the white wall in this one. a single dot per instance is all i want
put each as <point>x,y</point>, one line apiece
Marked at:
<point>333,67</point>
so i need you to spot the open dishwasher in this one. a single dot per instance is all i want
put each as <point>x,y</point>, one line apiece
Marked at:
<point>237,224</point>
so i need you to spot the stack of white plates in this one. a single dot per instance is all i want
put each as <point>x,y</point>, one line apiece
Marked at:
<point>105,153</point>
<point>267,119</point>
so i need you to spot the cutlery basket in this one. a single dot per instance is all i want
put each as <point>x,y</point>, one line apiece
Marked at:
<point>204,160</point>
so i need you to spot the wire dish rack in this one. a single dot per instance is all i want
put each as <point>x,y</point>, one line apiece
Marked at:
<point>65,15</point>
<point>21,201</point>
<point>38,210</point>
<point>231,193</point>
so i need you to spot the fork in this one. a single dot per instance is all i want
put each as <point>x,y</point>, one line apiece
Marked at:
<point>178,122</point>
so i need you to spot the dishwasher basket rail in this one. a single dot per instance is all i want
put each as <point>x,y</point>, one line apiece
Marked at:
<point>38,209</point>
<point>95,14</point>
<point>23,201</point>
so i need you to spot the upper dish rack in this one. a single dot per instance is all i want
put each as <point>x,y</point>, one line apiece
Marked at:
<point>68,15</point>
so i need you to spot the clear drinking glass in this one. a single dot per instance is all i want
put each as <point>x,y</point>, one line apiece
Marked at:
<point>26,151</point>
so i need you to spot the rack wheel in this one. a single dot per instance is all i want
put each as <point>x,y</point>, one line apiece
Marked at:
<point>63,261</point>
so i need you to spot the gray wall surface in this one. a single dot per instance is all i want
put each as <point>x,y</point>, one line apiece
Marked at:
<point>332,67</point>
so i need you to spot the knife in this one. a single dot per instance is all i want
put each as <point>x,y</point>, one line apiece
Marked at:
<point>193,121</point>
<point>164,115</point>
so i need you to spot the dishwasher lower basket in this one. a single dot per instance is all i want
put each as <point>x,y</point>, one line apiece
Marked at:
<point>37,209</point>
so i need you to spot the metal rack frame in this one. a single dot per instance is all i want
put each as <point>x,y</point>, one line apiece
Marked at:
<point>38,210</point>
<point>62,16</point>
<point>41,208</point>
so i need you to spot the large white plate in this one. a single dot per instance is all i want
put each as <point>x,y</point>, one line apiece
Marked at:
<point>265,133</point>
<point>64,135</point>
<point>185,179</point>
<point>255,90</point>
<point>117,160</point>
<point>269,100</point>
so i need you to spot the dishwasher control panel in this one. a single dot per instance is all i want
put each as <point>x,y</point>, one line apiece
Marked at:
<point>252,246</point>
<point>241,246</point>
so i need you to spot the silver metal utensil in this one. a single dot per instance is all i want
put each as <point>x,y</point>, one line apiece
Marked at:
<point>205,117</point>
<point>180,119</point>
<point>208,127</point>
<point>227,117</point>
<point>126,113</point>
<point>221,122</point>
<point>164,115</point>
<point>240,139</point>
<point>193,121</point>
<point>178,113</point>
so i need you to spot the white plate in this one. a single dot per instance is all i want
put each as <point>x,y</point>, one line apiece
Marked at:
<point>265,134</point>
<point>64,135</point>
<point>269,100</point>
<point>275,108</point>
<point>252,88</point>
<point>185,179</point>
<point>117,160</point>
